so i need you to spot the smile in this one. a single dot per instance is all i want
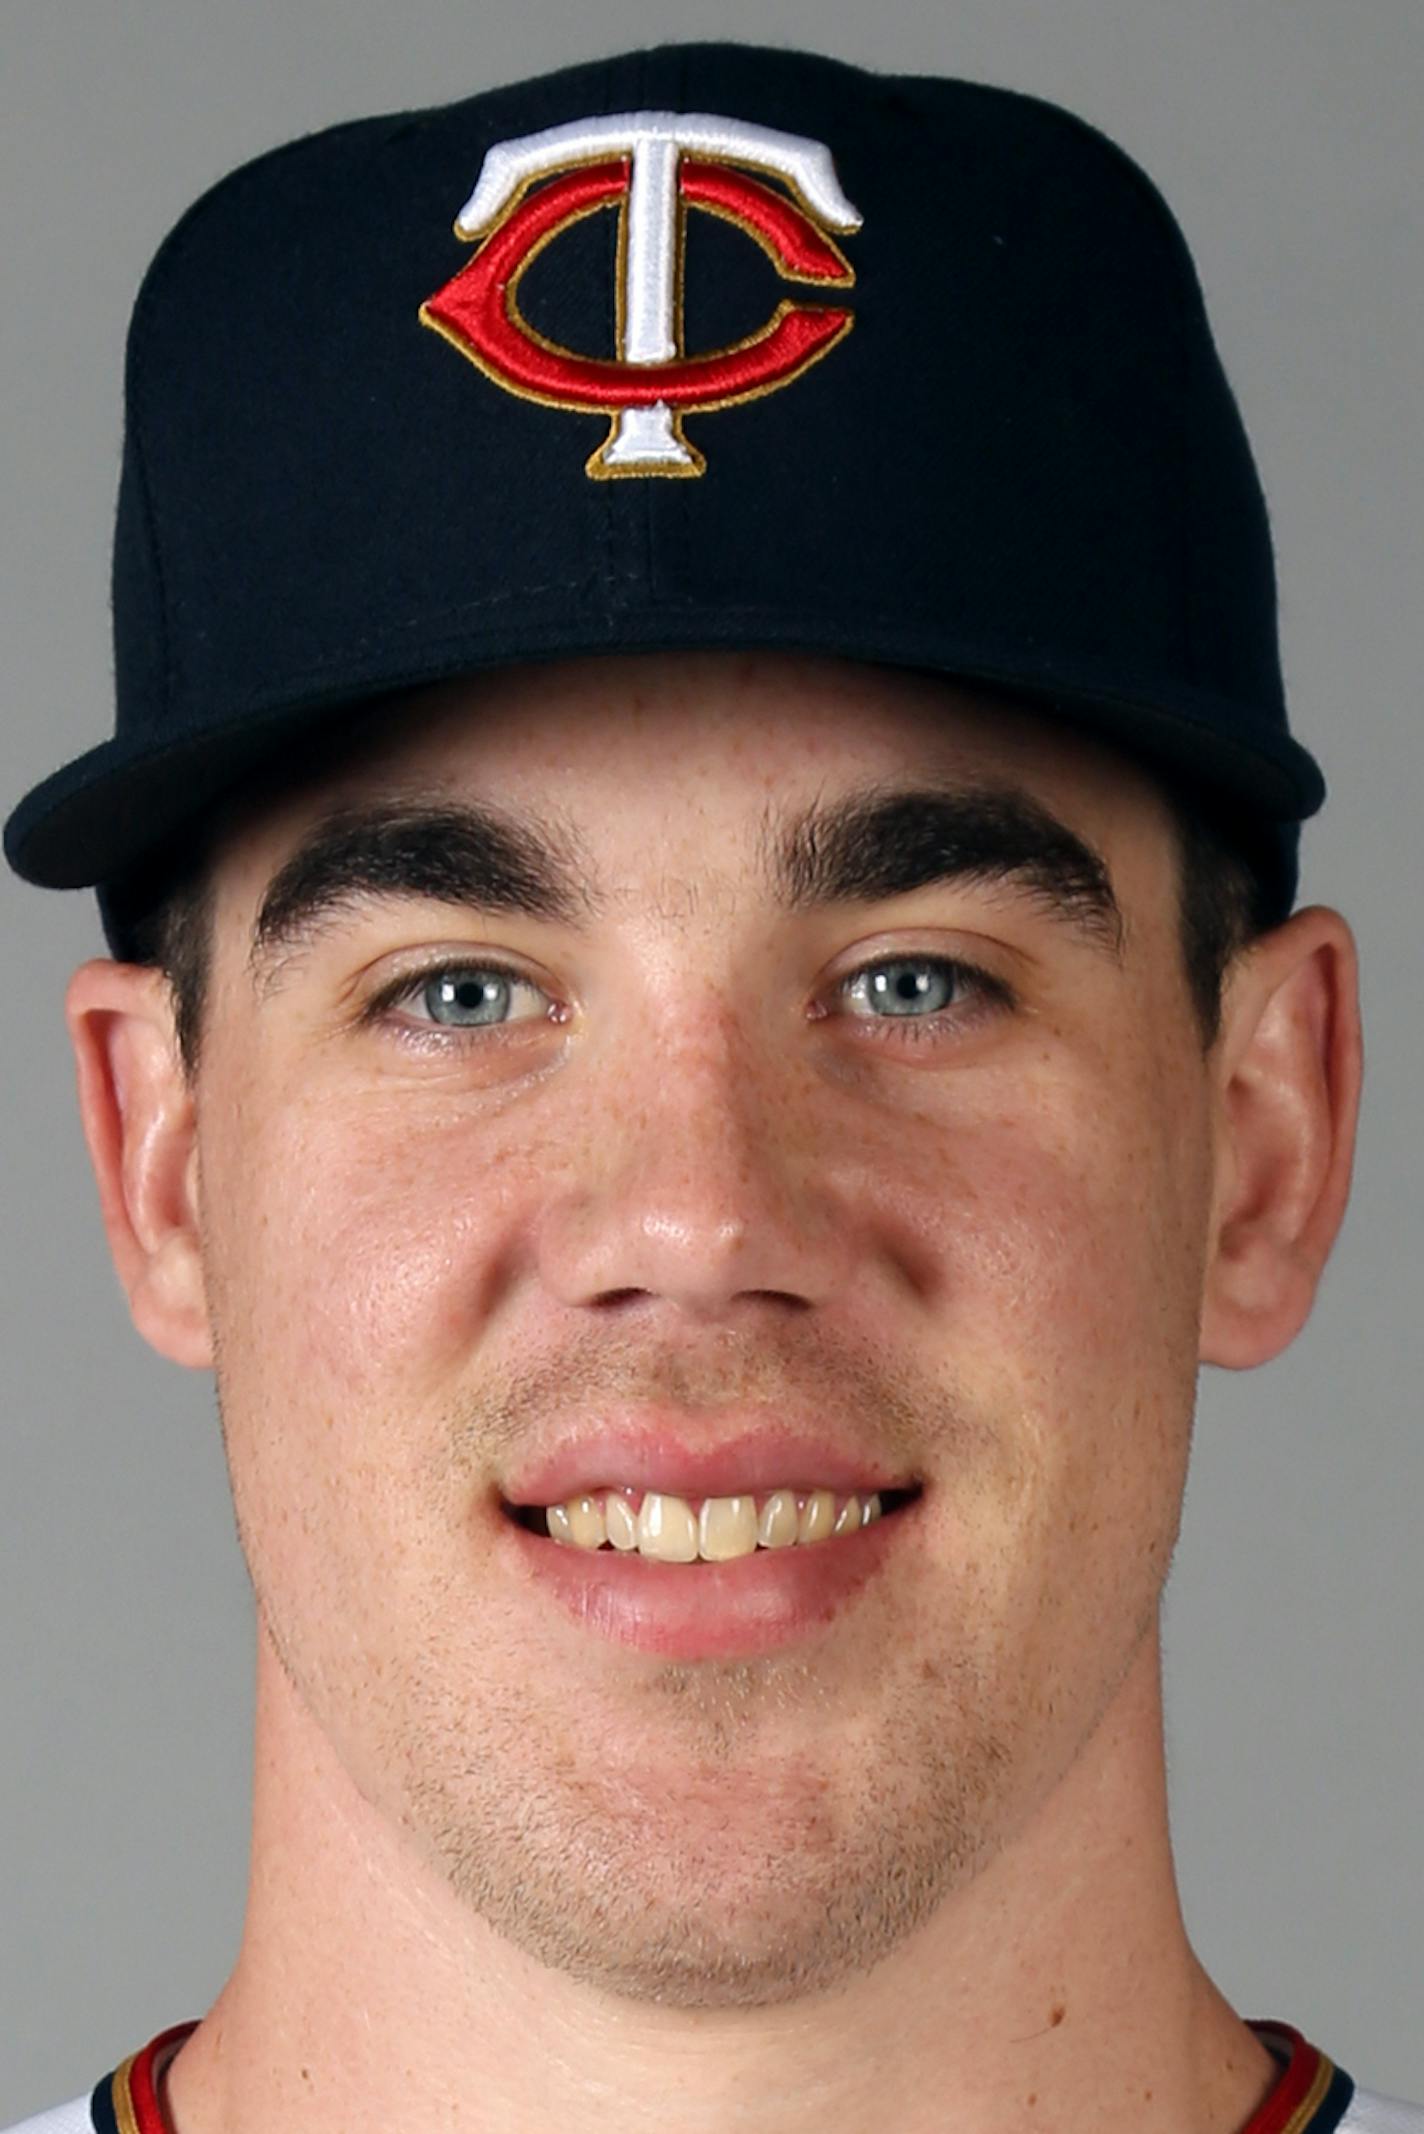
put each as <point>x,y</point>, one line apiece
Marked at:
<point>674,1529</point>
<point>688,1606</point>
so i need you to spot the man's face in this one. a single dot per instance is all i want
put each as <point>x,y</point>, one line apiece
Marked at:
<point>969,1235</point>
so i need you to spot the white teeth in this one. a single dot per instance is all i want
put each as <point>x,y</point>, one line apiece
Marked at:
<point>780,1522</point>
<point>672,1530</point>
<point>726,1527</point>
<point>818,1520</point>
<point>621,1521</point>
<point>667,1529</point>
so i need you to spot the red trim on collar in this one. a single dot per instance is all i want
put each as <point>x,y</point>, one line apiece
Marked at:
<point>1305,2081</point>
<point>136,2105</point>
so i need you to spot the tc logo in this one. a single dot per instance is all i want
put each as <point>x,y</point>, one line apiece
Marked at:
<point>652,165</point>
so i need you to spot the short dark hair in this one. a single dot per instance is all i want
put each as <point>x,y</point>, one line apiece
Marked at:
<point>1226,902</point>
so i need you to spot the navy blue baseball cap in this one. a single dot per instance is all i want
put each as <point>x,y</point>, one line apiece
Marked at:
<point>707,346</point>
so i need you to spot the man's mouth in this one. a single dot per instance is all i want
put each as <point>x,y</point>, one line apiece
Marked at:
<point>673,1529</point>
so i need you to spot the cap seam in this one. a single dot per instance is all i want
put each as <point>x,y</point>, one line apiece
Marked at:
<point>930,617</point>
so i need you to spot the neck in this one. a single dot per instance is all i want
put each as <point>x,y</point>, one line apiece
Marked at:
<point>1055,1989</point>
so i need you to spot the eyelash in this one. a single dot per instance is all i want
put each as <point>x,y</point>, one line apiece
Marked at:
<point>992,993</point>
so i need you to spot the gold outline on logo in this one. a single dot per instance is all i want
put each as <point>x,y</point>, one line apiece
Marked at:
<point>596,466</point>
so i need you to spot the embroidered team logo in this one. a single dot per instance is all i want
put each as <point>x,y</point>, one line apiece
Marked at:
<point>653,166</point>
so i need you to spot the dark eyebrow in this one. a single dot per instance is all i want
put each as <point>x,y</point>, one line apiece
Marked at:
<point>888,840</point>
<point>879,842</point>
<point>474,855</point>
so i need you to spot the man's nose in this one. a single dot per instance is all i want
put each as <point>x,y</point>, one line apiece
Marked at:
<point>705,1177</point>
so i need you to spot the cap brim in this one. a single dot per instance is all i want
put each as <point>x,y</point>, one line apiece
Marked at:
<point>112,812</point>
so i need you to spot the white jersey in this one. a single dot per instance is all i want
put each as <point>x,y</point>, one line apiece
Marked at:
<point>1312,2096</point>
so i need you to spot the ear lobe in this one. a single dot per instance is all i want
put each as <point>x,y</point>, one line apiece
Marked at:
<point>1288,1102</point>
<point>139,1122</point>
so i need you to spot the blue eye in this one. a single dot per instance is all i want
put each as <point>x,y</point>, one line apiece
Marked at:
<point>463,996</point>
<point>918,988</point>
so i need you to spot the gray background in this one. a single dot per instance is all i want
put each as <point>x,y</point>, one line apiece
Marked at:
<point>1286,135</point>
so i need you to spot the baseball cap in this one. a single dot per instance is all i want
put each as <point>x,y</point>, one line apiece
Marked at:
<point>703,346</point>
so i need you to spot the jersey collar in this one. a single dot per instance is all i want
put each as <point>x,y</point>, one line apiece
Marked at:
<point>1311,2097</point>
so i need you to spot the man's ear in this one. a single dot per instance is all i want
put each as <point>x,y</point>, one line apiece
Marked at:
<point>138,1113</point>
<point>1288,1070</point>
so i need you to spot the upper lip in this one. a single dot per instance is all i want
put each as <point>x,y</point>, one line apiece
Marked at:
<point>697,1456</point>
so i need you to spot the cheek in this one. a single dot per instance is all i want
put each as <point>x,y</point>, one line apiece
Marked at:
<point>346,1252</point>
<point>1070,1260</point>
<point>359,1249</point>
<point>1066,1221</point>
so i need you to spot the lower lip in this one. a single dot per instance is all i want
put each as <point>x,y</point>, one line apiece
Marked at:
<point>710,1611</point>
